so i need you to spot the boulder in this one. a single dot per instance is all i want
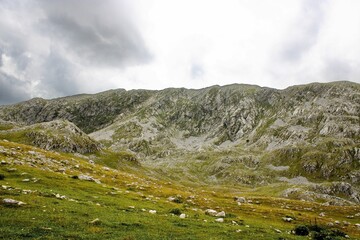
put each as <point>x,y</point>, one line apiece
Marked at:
<point>210,212</point>
<point>220,214</point>
<point>240,199</point>
<point>287,219</point>
<point>9,201</point>
<point>220,220</point>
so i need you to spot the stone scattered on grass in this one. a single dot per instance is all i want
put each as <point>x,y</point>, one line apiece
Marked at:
<point>58,196</point>
<point>176,199</point>
<point>26,180</point>
<point>24,191</point>
<point>88,178</point>
<point>152,211</point>
<point>210,212</point>
<point>220,220</point>
<point>61,170</point>
<point>32,152</point>
<point>182,215</point>
<point>170,199</point>
<point>9,201</point>
<point>330,224</point>
<point>287,219</point>
<point>220,214</point>
<point>345,223</point>
<point>240,199</point>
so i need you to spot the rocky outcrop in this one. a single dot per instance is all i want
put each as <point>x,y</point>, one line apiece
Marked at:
<point>56,135</point>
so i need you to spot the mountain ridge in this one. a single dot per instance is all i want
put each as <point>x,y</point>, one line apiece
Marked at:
<point>229,134</point>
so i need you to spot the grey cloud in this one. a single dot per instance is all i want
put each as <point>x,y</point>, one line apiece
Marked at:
<point>337,69</point>
<point>1,61</point>
<point>58,78</point>
<point>69,37</point>
<point>304,34</point>
<point>196,71</point>
<point>101,35</point>
<point>13,44</point>
<point>12,90</point>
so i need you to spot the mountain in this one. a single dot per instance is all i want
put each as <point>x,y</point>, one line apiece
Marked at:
<point>300,143</point>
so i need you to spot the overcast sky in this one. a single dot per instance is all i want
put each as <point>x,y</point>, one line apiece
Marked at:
<point>57,48</point>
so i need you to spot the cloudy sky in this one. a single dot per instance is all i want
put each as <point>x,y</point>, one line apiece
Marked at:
<point>57,48</point>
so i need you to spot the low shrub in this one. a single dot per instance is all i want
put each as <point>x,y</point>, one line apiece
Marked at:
<point>301,230</point>
<point>319,232</point>
<point>175,211</point>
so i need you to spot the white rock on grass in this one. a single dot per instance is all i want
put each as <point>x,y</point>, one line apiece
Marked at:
<point>240,199</point>
<point>58,196</point>
<point>171,199</point>
<point>220,220</point>
<point>9,201</point>
<point>152,211</point>
<point>210,212</point>
<point>220,214</point>
<point>182,215</point>
<point>287,219</point>
<point>88,178</point>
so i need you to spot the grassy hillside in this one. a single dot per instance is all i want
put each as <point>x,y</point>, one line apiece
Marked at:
<point>115,204</point>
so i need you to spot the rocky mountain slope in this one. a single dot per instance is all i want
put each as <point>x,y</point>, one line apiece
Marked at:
<point>57,135</point>
<point>304,136</point>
